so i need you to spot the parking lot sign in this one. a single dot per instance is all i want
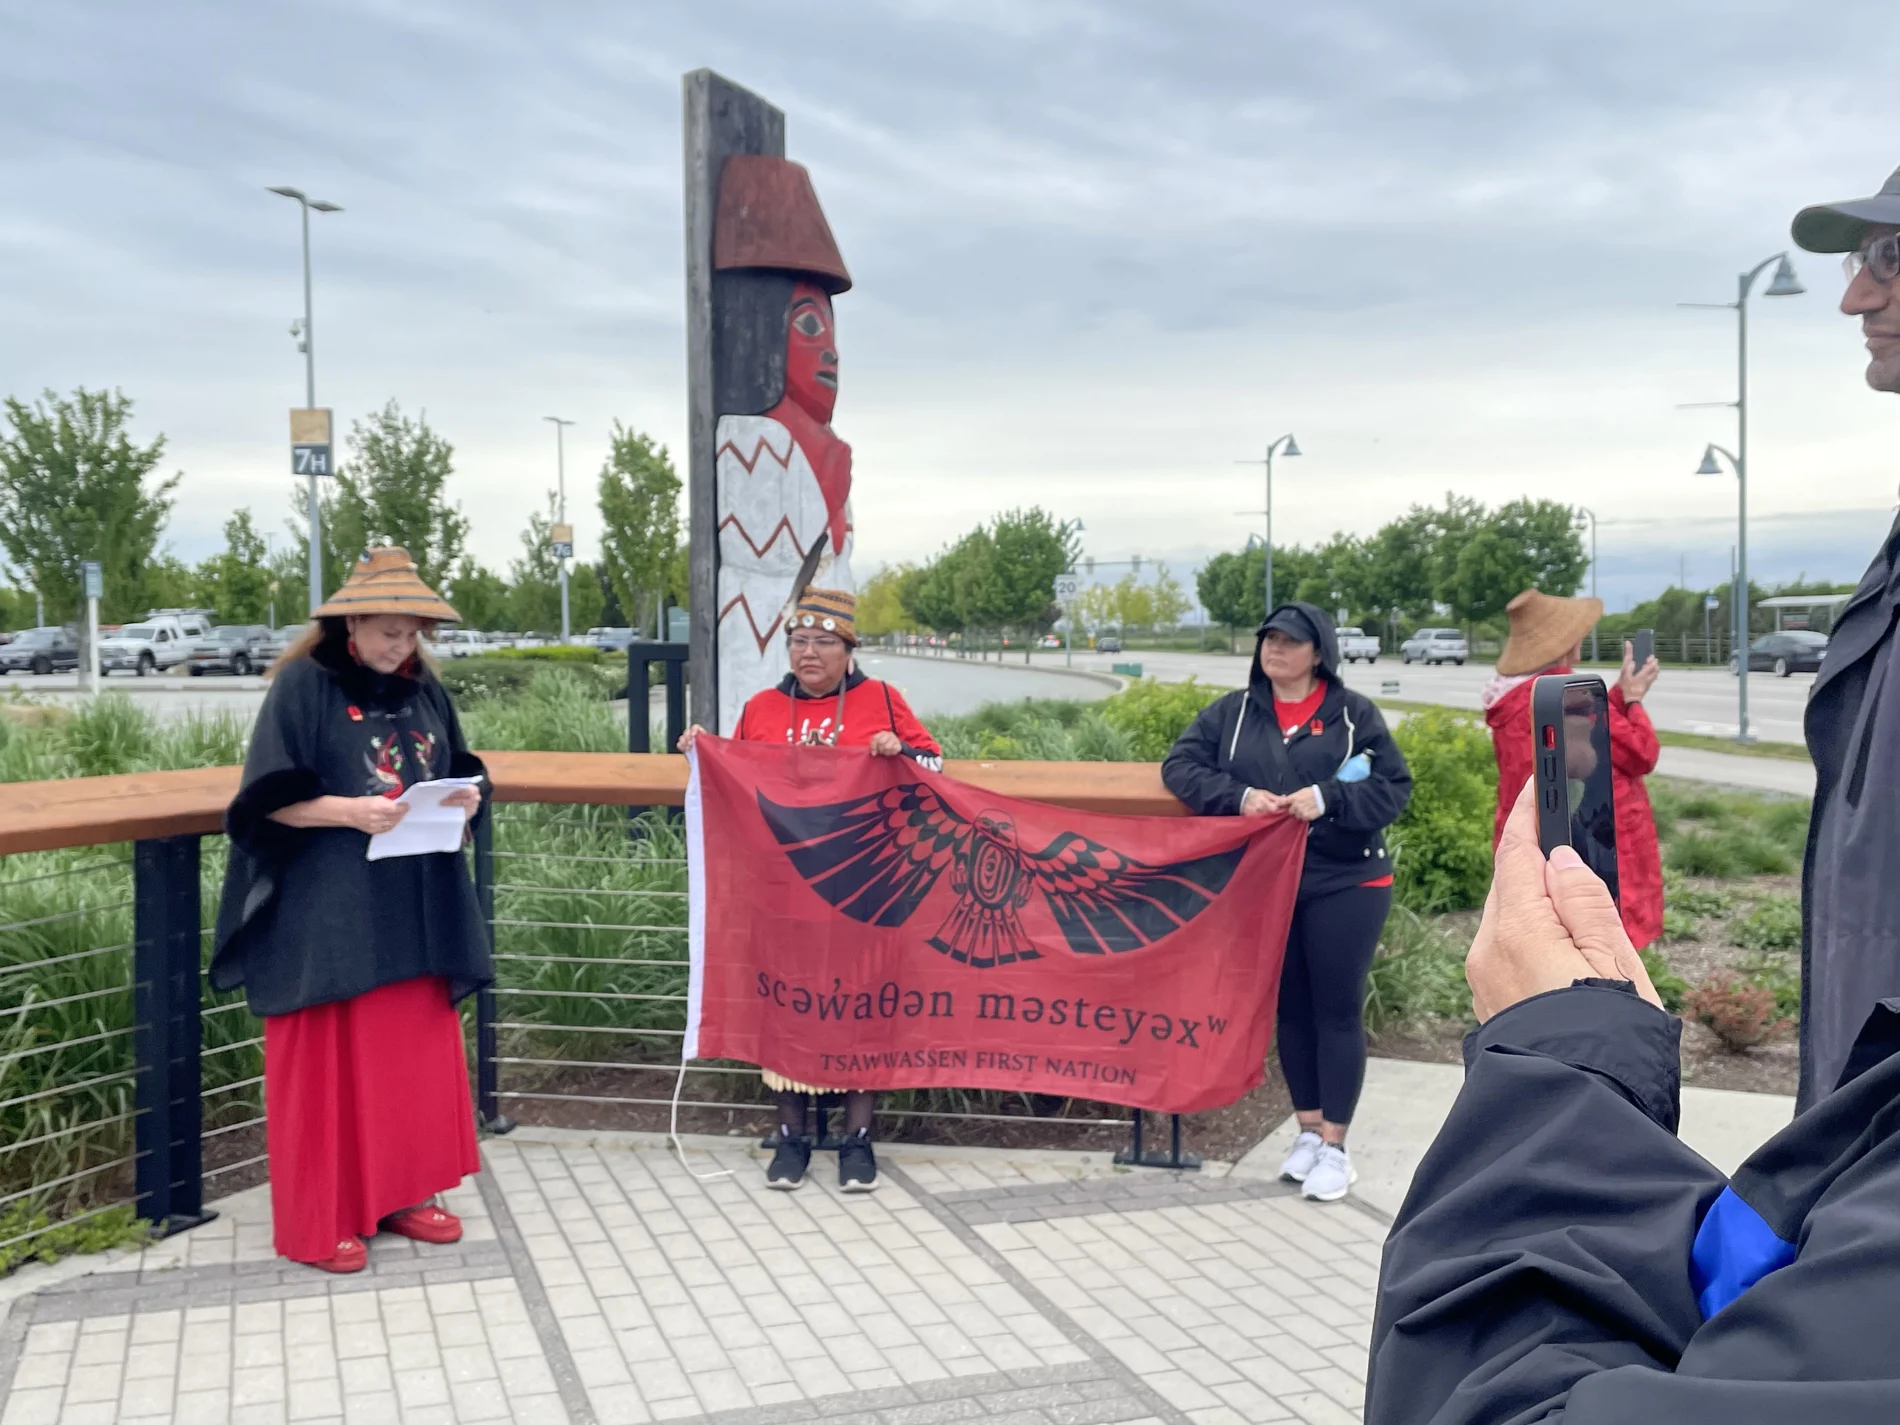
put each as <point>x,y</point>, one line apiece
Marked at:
<point>310,442</point>
<point>93,578</point>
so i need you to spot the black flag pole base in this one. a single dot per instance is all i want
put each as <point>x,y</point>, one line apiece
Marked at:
<point>1134,1156</point>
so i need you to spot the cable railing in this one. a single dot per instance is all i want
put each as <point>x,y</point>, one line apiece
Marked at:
<point>131,1091</point>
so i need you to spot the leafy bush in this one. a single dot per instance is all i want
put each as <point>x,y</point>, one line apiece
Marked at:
<point>1776,972</point>
<point>1419,974</point>
<point>553,653</point>
<point>1728,854</point>
<point>1153,715</point>
<point>1678,925</point>
<point>474,680</point>
<point>1740,1014</point>
<point>1442,842</point>
<point>1670,987</point>
<point>1033,731</point>
<point>1774,924</point>
<point>47,1242</point>
<point>1695,901</point>
<point>558,711</point>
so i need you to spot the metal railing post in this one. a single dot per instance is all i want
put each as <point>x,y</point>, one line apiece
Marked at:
<point>167,1035</point>
<point>487,1071</point>
<point>1134,1155</point>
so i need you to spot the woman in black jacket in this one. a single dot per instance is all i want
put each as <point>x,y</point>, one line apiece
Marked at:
<point>1299,742</point>
<point>356,965</point>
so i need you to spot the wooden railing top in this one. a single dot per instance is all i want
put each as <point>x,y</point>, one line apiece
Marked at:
<point>93,811</point>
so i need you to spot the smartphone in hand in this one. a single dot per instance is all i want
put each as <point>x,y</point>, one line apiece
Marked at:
<point>1642,647</point>
<point>1576,807</point>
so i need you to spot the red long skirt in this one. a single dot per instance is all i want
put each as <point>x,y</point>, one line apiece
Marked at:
<point>366,1112</point>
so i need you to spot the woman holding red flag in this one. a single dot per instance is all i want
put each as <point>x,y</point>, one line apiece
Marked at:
<point>826,701</point>
<point>1547,635</point>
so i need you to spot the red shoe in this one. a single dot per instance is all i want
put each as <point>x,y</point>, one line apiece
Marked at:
<point>352,1255</point>
<point>428,1223</point>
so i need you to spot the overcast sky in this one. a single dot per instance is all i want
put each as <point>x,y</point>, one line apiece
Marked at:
<point>1101,251</point>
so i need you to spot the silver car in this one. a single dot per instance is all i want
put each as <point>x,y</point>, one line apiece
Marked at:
<point>1436,645</point>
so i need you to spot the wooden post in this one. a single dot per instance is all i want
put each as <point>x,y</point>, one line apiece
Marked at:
<point>721,119</point>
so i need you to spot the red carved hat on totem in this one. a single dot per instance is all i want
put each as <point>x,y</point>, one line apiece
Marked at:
<point>769,218</point>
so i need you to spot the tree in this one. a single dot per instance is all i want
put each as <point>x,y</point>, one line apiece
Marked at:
<point>73,487</point>
<point>881,604</point>
<point>391,491</point>
<point>1027,552</point>
<point>237,581</point>
<point>534,601</point>
<point>1526,544</point>
<point>640,525</point>
<point>479,594</point>
<point>1167,600</point>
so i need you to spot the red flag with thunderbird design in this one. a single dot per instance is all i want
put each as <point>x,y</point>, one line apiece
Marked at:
<point>860,923</point>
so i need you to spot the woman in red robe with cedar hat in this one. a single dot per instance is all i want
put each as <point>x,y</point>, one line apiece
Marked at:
<point>826,701</point>
<point>1547,636</point>
<point>356,966</point>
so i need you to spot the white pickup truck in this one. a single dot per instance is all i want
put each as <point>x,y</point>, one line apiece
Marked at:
<point>161,641</point>
<point>1354,645</point>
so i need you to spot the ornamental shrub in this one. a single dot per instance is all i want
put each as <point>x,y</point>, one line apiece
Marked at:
<point>1154,714</point>
<point>1442,841</point>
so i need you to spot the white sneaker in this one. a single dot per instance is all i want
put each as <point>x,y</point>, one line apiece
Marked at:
<point>1331,1175</point>
<point>1300,1161</point>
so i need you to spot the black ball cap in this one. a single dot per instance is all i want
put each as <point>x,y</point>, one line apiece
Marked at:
<point>1293,623</point>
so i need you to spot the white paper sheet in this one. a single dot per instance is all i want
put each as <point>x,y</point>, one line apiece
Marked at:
<point>429,826</point>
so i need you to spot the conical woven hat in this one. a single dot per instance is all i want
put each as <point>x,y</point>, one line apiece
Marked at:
<point>385,581</point>
<point>1543,629</point>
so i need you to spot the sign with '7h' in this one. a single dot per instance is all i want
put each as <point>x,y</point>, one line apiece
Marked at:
<point>310,442</point>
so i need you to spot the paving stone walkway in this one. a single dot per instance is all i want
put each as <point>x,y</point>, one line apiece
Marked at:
<point>603,1282</point>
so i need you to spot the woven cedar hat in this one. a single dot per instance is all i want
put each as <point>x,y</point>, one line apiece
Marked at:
<point>832,610</point>
<point>385,581</point>
<point>1543,629</point>
<point>769,217</point>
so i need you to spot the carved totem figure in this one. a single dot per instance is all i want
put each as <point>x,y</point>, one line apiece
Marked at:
<point>783,477</point>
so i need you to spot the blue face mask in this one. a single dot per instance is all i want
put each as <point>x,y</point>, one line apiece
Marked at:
<point>1355,769</point>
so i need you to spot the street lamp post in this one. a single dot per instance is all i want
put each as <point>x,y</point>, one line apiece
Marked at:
<point>307,343</point>
<point>1286,445</point>
<point>1783,284</point>
<point>1591,516</point>
<point>560,475</point>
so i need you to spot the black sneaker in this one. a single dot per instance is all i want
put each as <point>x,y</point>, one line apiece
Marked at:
<point>789,1164</point>
<point>857,1164</point>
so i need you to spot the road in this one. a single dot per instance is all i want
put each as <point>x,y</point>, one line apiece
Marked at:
<point>945,687</point>
<point>1682,700</point>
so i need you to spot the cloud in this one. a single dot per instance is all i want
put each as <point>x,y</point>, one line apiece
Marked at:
<point>1102,251</point>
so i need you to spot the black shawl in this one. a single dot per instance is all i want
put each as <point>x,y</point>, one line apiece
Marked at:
<point>306,919</point>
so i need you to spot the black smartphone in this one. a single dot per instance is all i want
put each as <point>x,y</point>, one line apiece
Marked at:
<point>1642,647</point>
<point>1570,722</point>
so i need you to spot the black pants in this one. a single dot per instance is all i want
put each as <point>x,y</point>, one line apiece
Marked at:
<point>1322,1024</point>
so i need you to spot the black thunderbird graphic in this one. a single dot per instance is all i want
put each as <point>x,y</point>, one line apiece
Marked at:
<point>876,857</point>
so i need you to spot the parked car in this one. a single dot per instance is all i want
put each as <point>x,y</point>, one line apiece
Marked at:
<point>237,648</point>
<point>1108,643</point>
<point>610,640</point>
<point>159,643</point>
<point>1436,645</point>
<point>1784,654</point>
<point>1355,644</point>
<point>40,651</point>
<point>459,643</point>
<point>1050,640</point>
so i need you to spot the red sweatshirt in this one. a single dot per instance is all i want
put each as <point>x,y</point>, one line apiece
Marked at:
<point>1633,753</point>
<point>788,714</point>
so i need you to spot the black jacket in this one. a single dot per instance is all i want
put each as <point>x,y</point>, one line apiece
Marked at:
<point>1850,898</point>
<point>306,919</point>
<point>1236,744</point>
<point>1562,1256</point>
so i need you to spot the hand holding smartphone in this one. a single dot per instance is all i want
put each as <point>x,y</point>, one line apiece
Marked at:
<point>1576,806</point>
<point>1642,647</point>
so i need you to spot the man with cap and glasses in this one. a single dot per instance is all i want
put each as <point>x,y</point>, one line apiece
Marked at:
<point>1850,954</point>
<point>1561,1252</point>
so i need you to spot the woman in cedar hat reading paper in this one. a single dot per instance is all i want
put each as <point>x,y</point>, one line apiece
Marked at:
<point>356,966</point>
<point>1547,636</point>
<point>825,701</point>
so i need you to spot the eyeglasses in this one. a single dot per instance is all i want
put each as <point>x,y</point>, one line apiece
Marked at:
<point>1880,256</point>
<point>822,643</point>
